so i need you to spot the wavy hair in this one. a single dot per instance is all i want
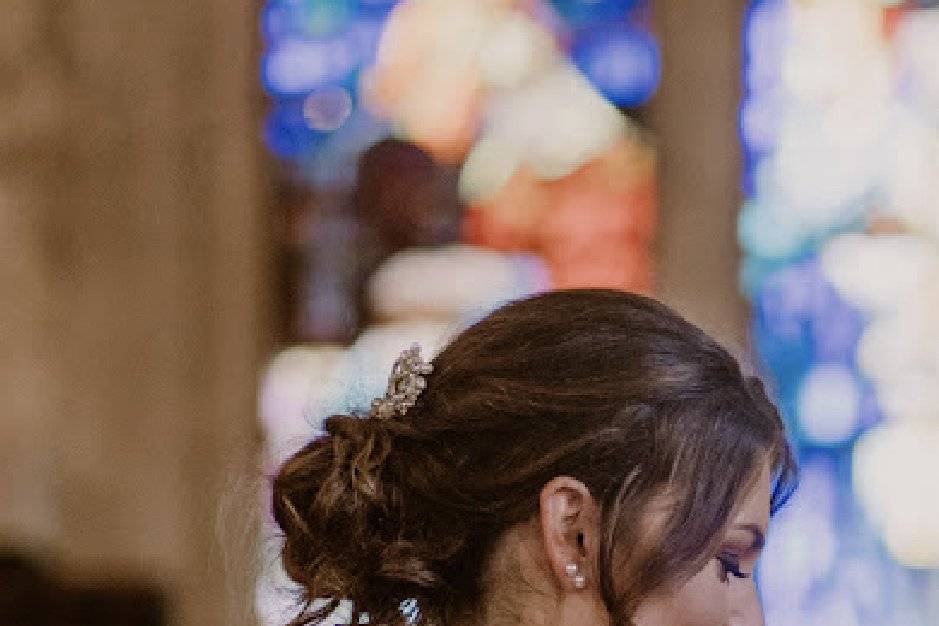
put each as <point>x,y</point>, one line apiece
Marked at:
<point>614,389</point>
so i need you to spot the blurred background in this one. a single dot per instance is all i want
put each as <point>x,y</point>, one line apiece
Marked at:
<point>220,220</point>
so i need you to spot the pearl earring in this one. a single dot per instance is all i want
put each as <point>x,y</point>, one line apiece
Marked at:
<point>573,572</point>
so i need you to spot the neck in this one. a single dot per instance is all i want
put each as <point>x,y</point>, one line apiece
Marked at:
<point>520,590</point>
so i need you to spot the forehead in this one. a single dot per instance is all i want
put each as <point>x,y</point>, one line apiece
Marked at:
<point>753,506</point>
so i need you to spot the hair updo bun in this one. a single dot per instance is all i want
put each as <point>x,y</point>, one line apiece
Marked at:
<point>346,524</point>
<point>613,389</point>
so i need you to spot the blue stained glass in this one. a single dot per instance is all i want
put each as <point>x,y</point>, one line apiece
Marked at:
<point>580,11</point>
<point>286,131</point>
<point>297,66</point>
<point>806,336</point>
<point>376,7</point>
<point>621,61</point>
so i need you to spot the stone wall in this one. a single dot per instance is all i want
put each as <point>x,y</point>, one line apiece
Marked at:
<point>133,268</point>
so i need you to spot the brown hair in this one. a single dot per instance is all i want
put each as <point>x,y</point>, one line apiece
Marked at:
<point>614,389</point>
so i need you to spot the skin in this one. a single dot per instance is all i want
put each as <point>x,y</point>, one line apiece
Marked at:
<point>714,597</point>
<point>533,558</point>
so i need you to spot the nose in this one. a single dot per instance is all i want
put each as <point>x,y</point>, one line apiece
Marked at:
<point>747,608</point>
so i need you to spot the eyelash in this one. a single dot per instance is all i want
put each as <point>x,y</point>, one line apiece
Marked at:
<point>729,566</point>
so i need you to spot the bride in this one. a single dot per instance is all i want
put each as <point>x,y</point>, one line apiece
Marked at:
<point>580,457</point>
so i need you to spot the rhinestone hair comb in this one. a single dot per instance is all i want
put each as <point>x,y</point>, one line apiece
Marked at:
<point>405,384</point>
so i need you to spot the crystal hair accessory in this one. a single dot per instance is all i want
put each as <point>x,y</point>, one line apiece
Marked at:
<point>405,384</point>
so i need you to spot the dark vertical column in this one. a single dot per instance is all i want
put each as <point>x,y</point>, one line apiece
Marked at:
<point>695,117</point>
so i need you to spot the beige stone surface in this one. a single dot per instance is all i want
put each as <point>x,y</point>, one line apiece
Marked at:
<point>695,119</point>
<point>133,270</point>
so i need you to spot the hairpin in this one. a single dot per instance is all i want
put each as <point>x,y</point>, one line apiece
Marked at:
<point>405,384</point>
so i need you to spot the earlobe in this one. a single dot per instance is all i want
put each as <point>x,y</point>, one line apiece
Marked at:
<point>577,579</point>
<point>568,521</point>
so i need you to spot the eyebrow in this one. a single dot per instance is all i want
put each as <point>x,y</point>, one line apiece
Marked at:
<point>759,537</point>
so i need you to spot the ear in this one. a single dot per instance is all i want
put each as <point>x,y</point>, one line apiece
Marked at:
<point>569,527</point>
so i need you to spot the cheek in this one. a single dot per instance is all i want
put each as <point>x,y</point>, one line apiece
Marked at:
<point>702,601</point>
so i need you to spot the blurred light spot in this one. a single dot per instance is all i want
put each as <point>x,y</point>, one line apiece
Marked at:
<point>445,283</point>
<point>327,109</point>
<point>899,352</point>
<point>364,36</point>
<point>286,132</point>
<point>765,45</point>
<point>558,139</point>
<point>878,272</point>
<point>766,231</point>
<point>581,11</point>
<point>911,178</point>
<point>488,168</point>
<point>895,470</point>
<point>278,20</point>
<point>294,67</point>
<point>515,48</point>
<point>785,301</point>
<point>759,122</point>
<point>836,328</point>
<point>622,62</point>
<point>325,17</point>
<point>296,389</point>
<point>829,404</point>
<point>822,184</point>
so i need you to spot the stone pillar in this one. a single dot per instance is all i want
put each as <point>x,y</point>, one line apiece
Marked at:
<point>31,116</point>
<point>134,253</point>
<point>695,118</point>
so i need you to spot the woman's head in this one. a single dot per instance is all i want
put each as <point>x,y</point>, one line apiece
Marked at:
<point>585,427</point>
